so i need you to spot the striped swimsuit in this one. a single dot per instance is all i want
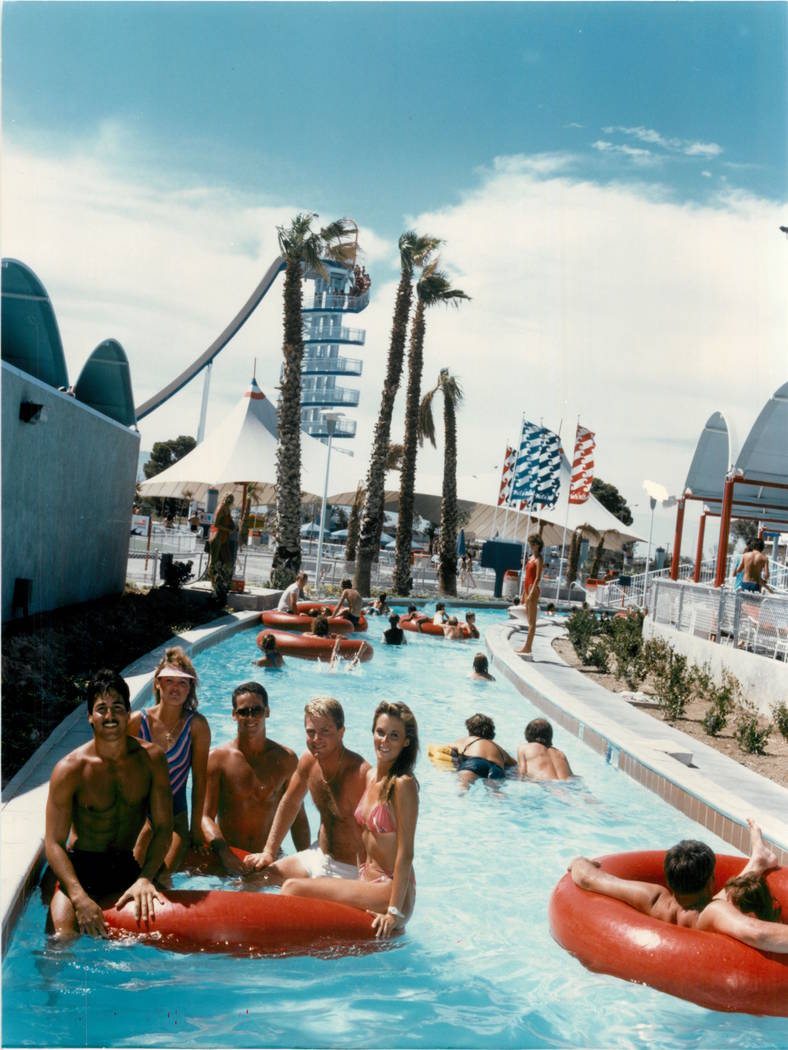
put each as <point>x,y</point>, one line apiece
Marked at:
<point>179,760</point>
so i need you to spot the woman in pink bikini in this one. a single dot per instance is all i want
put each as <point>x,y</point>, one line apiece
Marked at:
<point>387,814</point>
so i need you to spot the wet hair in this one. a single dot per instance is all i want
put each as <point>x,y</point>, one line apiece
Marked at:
<point>268,644</point>
<point>536,540</point>
<point>394,619</point>
<point>411,608</point>
<point>758,545</point>
<point>301,576</point>
<point>469,613</point>
<point>320,626</point>
<point>178,658</point>
<point>539,731</point>
<point>382,596</point>
<point>347,584</point>
<point>249,687</point>
<point>453,621</point>
<point>439,606</point>
<point>326,707</point>
<point>481,726</point>
<point>101,683</point>
<point>688,866</point>
<point>481,664</point>
<point>550,607</point>
<point>406,759</point>
<point>751,895</point>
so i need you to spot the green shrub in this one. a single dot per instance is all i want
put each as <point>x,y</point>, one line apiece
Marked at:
<point>581,626</point>
<point>780,715</point>
<point>722,699</point>
<point>626,645</point>
<point>176,573</point>
<point>749,736</point>
<point>673,688</point>
<point>598,655</point>
<point>713,721</point>
<point>655,657</point>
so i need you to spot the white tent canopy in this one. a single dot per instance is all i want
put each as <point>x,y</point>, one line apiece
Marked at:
<point>242,450</point>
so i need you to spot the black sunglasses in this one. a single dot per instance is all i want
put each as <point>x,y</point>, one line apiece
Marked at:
<point>249,712</point>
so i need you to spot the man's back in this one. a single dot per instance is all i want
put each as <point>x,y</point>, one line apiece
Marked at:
<point>542,763</point>
<point>754,567</point>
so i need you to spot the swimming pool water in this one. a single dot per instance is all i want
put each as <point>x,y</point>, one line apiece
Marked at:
<point>477,966</point>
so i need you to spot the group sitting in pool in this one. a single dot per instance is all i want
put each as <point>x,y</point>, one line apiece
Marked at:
<point>743,909</point>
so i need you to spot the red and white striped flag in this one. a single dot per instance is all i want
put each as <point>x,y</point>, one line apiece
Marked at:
<point>509,461</point>
<point>582,466</point>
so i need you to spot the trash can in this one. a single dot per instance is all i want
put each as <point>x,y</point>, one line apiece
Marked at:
<point>510,578</point>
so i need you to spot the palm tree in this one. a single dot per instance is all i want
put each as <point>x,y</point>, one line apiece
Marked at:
<point>447,548</point>
<point>413,251</point>
<point>302,248</point>
<point>594,574</point>
<point>574,549</point>
<point>354,522</point>
<point>432,287</point>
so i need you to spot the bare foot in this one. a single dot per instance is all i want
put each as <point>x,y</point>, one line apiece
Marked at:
<point>761,857</point>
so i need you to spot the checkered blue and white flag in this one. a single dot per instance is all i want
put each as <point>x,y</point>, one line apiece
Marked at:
<point>549,471</point>
<point>526,466</point>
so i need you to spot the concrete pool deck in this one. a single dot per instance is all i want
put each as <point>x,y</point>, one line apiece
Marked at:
<point>714,790</point>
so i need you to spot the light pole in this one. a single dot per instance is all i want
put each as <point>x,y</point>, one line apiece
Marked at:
<point>655,492</point>
<point>331,419</point>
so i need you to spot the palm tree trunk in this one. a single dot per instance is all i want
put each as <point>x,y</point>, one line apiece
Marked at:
<point>287,555</point>
<point>574,553</point>
<point>372,516</point>
<point>448,539</point>
<point>594,574</point>
<point>401,581</point>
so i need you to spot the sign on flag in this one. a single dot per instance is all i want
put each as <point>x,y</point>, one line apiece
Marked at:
<point>582,466</point>
<point>549,475</point>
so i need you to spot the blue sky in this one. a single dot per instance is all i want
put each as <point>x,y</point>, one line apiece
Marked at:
<point>608,178</point>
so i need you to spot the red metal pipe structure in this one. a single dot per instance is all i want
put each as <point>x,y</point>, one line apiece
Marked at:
<point>725,517</point>
<point>674,564</point>
<point>699,551</point>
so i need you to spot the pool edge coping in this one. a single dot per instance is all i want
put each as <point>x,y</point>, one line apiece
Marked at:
<point>713,805</point>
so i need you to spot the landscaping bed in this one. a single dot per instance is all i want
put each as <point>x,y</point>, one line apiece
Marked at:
<point>48,658</point>
<point>615,656</point>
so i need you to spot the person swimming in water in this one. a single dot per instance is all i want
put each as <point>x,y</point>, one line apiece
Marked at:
<point>386,814</point>
<point>537,758</point>
<point>481,669</point>
<point>477,756</point>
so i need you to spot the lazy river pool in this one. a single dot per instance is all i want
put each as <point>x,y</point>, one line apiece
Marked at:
<point>477,966</point>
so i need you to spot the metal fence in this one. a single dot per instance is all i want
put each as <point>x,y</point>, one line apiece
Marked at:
<point>756,622</point>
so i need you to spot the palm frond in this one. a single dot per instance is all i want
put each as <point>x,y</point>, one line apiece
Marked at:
<point>426,418</point>
<point>415,250</point>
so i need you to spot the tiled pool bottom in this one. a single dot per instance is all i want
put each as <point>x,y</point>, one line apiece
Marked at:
<point>477,966</point>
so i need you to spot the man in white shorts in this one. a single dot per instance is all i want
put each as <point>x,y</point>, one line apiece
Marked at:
<point>290,595</point>
<point>336,779</point>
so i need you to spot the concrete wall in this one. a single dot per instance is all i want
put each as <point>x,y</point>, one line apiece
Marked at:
<point>67,494</point>
<point>763,681</point>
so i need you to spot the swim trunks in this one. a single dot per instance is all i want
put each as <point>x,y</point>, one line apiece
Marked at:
<point>102,874</point>
<point>322,865</point>
<point>179,761</point>
<point>348,615</point>
<point>481,767</point>
<point>749,585</point>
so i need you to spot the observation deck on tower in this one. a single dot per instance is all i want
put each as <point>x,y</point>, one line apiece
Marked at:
<point>344,289</point>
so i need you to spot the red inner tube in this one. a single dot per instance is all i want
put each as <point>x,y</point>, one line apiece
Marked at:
<point>428,627</point>
<point>301,622</point>
<point>710,969</point>
<point>311,647</point>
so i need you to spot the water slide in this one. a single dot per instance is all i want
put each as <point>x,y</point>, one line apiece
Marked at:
<point>217,345</point>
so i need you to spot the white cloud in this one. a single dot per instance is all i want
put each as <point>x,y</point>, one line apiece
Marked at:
<point>639,156</point>
<point>640,314</point>
<point>674,145</point>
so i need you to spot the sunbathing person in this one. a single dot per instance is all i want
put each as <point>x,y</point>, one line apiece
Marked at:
<point>477,755</point>
<point>100,795</point>
<point>743,908</point>
<point>272,659</point>
<point>335,777</point>
<point>246,781</point>
<point>386,815</point>
<point>481,669</point>
<point>537,758</point>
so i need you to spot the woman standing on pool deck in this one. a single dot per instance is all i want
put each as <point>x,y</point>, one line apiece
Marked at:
<point>534,568</point>
<point>387,814</point>
<point>185,738</point>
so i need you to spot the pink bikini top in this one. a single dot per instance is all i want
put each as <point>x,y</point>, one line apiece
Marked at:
<point>380,818</point>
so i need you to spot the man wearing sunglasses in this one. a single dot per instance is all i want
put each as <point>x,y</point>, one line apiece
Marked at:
<point>246,780</point>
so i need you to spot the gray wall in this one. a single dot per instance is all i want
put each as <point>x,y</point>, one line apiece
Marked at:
<point>67,494</point>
